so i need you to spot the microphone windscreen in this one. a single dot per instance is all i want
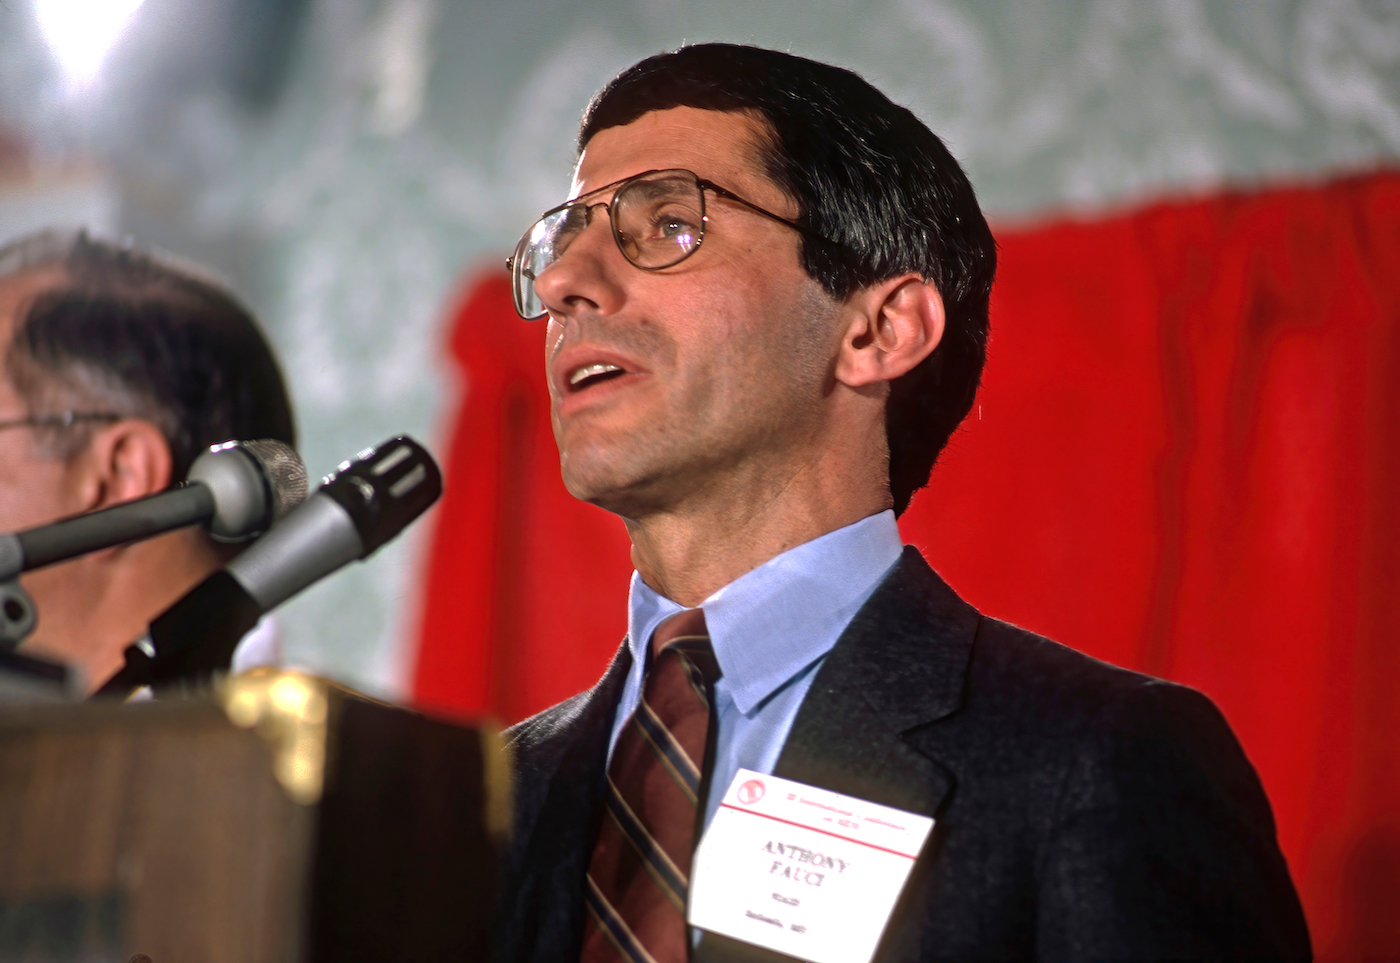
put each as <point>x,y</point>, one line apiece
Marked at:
<point>285,471</point>
<point>385,488</point>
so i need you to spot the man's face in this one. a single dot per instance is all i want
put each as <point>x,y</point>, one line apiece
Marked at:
<point>33,484</point>
<point>725,358</point>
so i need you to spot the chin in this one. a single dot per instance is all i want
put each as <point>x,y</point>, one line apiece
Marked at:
<point>590,477</point>
<point>610,493</point>
<point>605,483</point>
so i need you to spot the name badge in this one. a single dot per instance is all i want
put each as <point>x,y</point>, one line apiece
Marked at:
<point>801,870</point>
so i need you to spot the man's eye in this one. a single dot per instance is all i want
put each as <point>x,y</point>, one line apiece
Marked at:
<point>670,223</point>
<point>674,227</point>
<point>571,223</point>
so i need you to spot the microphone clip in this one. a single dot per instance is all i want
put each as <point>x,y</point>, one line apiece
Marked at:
<point>17,614</point>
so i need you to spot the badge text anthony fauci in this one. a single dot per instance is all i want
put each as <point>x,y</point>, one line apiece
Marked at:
<point>802,865</point>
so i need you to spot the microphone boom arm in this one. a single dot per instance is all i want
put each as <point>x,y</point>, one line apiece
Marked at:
<point>237,490</point>
<point>130,522</point>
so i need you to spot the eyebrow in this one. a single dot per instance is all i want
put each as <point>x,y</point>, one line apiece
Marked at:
<point>599,190</point>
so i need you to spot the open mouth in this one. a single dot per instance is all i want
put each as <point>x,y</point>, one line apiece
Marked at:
<point>589,375</point>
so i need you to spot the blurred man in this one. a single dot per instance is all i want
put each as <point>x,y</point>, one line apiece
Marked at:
<point>117,369</point>
<point>767,311</point>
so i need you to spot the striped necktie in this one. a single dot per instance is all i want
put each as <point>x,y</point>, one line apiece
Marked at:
<point>639,872</point>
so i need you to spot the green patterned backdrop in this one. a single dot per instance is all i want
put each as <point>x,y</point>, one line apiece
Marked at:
<point>347,163</point>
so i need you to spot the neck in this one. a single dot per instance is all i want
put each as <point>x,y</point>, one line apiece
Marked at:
<point>87,618</point>
<point>689,553</point>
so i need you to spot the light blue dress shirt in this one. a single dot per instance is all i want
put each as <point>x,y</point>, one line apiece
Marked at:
<point>771,629</point>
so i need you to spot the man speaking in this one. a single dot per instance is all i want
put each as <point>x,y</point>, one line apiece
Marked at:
<point>766,308</point>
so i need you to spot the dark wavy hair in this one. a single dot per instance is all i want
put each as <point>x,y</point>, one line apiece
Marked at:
<point>142,335</point>
<point>866,174</point>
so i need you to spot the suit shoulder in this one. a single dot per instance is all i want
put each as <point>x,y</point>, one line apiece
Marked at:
<point>532,737</point>
<point>539,742</point>
<point>1042,675</point>
<point>1108,730</point>
<point>1066,712</point>
<point>1144,795</point>
<point>932,656</point>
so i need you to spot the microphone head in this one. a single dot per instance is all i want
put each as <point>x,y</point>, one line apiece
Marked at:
<point>254,484</point>
<point>385,488</point>
<point>284,471</point>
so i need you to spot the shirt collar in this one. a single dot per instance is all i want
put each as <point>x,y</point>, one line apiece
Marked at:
<point>771,623</point>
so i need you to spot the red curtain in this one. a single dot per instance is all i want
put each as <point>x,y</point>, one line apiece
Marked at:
<point>1183,460</point>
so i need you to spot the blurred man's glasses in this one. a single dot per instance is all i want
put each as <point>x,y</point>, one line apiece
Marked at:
<point>62,419</point>
<point>658,220</point>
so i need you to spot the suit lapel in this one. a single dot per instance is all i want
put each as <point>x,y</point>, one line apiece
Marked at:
<point>899,665</point>
<point>566,767</point>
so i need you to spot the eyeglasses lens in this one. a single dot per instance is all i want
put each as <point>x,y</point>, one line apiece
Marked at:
<point>658,220</point>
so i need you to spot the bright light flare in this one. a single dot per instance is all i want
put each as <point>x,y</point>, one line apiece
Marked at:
<point>81,32</point>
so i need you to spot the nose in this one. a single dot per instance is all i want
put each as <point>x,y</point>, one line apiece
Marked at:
<point>586,276</point>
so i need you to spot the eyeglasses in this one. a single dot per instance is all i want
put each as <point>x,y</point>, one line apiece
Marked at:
<point>64,419</point>
<point>658,220</point>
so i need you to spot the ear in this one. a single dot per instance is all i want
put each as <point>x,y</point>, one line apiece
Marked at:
<point>125,461</point>
<point>892,326</point>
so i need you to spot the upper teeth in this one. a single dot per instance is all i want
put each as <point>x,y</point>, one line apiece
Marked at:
<point>589,370</point>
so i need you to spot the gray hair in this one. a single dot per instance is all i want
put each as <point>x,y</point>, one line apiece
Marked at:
<point>140,334</point>
<point>79,384</point>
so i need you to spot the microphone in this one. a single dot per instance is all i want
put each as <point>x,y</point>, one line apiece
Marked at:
<point>237,490</point>
<point>364,503</point>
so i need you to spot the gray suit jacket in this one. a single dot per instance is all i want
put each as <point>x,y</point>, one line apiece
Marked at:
<point>1082,811</point>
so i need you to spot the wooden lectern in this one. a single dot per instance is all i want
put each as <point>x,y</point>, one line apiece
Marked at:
<point>284,819</point>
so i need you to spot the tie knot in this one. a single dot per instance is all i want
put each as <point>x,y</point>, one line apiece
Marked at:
<point>687,624</point>
<point>685,634</point>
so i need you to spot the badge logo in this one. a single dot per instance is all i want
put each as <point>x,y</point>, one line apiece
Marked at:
<point>751,792</point>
